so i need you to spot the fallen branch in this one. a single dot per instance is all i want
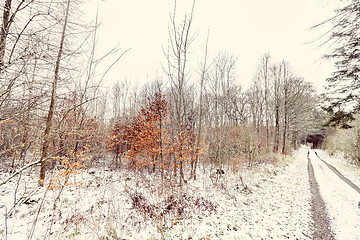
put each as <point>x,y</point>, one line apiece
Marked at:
<point>19,171</point>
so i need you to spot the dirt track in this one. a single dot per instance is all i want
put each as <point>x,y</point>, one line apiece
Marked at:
<point>322,229</point>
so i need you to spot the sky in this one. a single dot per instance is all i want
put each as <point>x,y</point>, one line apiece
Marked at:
<point>245,28</point>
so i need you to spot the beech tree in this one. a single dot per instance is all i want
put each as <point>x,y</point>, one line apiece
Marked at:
<point>144,137</point>
<point>118,141</point>
<point>148,140</point>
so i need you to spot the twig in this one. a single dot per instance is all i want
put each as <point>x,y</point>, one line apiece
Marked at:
<point>6,216</point>
<point>109,68</point>
<point>16,188</point>
<point>23,199</point>
<point>19,171</point>
<point>55,205</point>
<point>37,215</point>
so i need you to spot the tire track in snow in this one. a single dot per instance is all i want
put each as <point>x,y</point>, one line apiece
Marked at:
<point>322,229</point>
<point>342,177</point>
<point>340,200</point>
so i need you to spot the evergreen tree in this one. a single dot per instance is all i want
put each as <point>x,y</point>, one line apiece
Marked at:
<point>342,97</point>
<point>343,89</point>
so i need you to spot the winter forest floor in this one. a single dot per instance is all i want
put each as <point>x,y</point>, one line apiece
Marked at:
<point>278,203</point>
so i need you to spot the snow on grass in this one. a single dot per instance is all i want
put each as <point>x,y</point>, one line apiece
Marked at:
<point>276,205</point>
<point>341,200</point>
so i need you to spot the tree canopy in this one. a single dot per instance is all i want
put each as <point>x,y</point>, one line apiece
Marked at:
<point>343,89</point>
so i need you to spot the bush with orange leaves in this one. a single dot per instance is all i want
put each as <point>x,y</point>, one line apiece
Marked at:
<point>118,141</point>
<point>71,165</point>
<point>149,140</point>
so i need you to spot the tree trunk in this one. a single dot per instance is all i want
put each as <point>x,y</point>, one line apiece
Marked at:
<point>4,32</point>
<point>47,137</point>
<point>286,86</point>
<point>277,130</point>
<point>199,129</point>
<point>285,134</point>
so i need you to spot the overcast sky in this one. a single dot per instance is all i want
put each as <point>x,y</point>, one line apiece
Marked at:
<point>245,28</point>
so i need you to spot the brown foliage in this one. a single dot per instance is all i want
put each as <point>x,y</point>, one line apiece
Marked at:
<point>150,140</point>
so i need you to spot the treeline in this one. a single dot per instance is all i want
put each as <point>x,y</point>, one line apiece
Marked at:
<point>53,109</point>
<point>233,127</point>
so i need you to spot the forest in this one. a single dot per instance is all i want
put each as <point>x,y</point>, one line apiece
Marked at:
<point>192,123</point>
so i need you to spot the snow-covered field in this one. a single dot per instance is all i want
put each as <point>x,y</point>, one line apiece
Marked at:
<point>341,200</point>
<point>123,205</point>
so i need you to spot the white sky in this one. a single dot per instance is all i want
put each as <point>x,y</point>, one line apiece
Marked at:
<point>245,28</point>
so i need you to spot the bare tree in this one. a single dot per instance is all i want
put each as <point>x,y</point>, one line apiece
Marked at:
<point>22,54</point>
<point>287,78</point>
<point>180,39</point>
<point>222,83</point>
<point>120,94</point>
<point>276,73</point>
<point>263,77</point>
<point>47,137</point>
<point>17,37</point>
<point>204,68</point>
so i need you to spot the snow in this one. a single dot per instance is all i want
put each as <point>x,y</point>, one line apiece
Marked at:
<point>341,200</point>
<point>350,171</point>
<point>276,205</point>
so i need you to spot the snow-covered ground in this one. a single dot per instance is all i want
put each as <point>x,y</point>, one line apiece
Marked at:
<point>341,200</point>
<point>122,205</point>
<point>349,170</point>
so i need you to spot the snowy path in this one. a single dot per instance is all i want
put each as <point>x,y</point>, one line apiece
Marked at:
<point>340,198</point>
